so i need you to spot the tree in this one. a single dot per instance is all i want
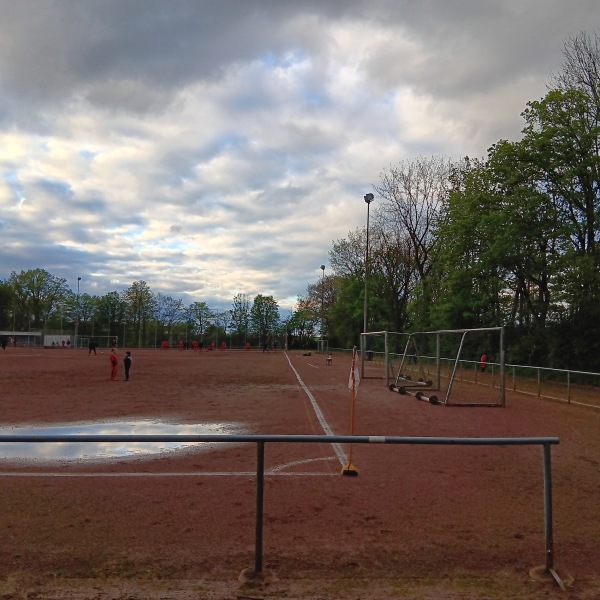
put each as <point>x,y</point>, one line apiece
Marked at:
<point>169,311</point>
<point>6,305</point>
<point>200,316</point>
<point>302,324</point>
<point>581,67</point>
<point>111,313</point>
<point>414,199</point>
<point>35,293</point>
<point>240,315</point>
<point>264,317</point>
<point>140,307</point>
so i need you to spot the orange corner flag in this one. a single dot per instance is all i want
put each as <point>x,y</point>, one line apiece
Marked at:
<point>354,379</point>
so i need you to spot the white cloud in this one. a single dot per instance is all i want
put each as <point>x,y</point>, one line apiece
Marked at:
<point>217,148</point>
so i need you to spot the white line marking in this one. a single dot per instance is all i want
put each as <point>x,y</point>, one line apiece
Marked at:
<point>275,470</point>
<point>313,366</point>
<point>336,447</point>
<point>272,473</point>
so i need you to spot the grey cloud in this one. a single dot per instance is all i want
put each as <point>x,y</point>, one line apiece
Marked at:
<point>209,146</point>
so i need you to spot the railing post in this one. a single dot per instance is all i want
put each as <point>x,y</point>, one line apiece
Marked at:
<point>549,563</point>
<point>260,487</point>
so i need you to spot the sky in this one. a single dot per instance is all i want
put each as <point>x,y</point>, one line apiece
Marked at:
<point>215,148</point>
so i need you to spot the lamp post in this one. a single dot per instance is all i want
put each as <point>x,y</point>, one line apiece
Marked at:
<point>77,315</point>
<point>368,199</point>
<point>322,305</point>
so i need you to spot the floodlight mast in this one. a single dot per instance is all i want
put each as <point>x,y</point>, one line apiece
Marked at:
<point>322,306</point>
<point>368,199</point>
<point>76,315</point>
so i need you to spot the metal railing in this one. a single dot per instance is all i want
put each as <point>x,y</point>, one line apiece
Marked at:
<point>261,440</point>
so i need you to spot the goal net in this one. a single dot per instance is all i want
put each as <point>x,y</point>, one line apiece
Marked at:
<point>459,367</point>
<point>380,352</point>
<point>100,341</point>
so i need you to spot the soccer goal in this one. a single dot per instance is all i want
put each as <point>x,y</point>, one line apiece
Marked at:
<point>101,341</point>
<point>465,367</point>
<point>380,351</point>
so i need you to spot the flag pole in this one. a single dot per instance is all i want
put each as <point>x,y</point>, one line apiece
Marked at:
<point>350,470</point>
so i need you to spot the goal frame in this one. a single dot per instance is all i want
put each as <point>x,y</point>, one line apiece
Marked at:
<point>447,399</point>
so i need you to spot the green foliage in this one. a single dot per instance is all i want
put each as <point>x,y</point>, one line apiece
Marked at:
<point>264,318</point>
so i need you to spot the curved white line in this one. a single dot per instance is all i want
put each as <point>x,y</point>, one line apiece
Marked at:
<point>297,462</point>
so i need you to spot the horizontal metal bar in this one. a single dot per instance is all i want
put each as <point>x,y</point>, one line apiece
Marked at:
<point>329,439</point>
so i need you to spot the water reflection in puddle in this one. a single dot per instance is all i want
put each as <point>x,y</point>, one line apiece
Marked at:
<point>50,451</point>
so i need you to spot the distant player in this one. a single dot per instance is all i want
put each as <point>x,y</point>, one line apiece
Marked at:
<point>483,362</point>
<point>127,364</point>
<point>114,364</point>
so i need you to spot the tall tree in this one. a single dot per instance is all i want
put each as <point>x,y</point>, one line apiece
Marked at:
<point>240,314</point>
<point>36,292</point>
<point>140,307</point>
<point>264,316</point>
<point>414,198</point>
<point>6,305</point>
<point>201,317</point>
<point>169,311</point>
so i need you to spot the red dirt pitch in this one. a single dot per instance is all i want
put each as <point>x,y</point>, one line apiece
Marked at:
<point>419,522</point>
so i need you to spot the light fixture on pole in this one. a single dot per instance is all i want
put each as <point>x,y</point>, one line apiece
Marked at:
<point>322,305</point>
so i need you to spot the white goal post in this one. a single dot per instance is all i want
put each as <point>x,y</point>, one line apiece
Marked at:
<point>101,341</point>
<point>450,361</point>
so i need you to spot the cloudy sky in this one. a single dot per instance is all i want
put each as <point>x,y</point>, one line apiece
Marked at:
<point>219,147</point>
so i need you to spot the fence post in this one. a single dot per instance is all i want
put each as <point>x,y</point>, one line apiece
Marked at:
<point>548,509</point>
<point>549,562</point>
<point>260,487</point>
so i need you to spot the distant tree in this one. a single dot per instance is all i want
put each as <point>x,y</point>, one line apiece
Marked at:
<point>140,308</point>
<point>35,293</point>
<point>264,317</point>
<point>169,311</point>
<point>301,325</point>
<point>111,310</point>
<point>6,305</point>
<point>200,316</point>
<point>240,315</point>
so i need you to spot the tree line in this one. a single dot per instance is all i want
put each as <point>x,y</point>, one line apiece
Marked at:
<point>508,240</point>
<point>35,300</point>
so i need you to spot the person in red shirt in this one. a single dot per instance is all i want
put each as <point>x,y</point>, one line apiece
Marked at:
<point>483,362</point>
<point>114,363</point>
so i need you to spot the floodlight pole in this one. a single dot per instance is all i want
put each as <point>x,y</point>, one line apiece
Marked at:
<point>322,305</point>
<point>368,199</point>
<point>77,315</point>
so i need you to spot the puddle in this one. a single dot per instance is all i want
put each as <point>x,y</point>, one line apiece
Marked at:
<point>65,451</point>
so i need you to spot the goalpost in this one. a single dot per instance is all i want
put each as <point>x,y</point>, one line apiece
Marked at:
<point>379,352</point>
<point>447,361</point>
<point>102,341</point>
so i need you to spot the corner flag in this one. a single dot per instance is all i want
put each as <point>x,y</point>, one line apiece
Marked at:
<point>354,379</point>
